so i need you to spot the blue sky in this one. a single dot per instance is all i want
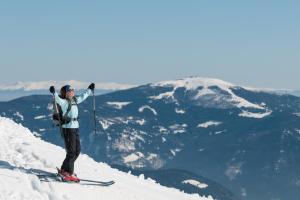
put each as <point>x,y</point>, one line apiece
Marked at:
<point>254,43</point>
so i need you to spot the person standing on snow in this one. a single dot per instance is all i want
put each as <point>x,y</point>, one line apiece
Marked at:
<point>70,126</point>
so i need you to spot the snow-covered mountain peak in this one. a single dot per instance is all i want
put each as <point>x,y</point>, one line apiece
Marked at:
<point>194,82</point>
<point>207,92</point>
<point>23,156</point>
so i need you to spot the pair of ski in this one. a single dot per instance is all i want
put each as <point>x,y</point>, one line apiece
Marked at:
<point>50,177</point>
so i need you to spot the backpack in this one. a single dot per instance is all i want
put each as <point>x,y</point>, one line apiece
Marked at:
<point>58,117</point>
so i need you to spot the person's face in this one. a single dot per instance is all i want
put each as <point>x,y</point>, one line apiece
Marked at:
<point>70,94</point>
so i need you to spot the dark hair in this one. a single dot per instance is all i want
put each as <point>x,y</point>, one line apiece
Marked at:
<point>63,92</point>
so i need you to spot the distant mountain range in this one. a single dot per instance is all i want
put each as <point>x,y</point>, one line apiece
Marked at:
<point>20,89</point>
<point>246,139</point>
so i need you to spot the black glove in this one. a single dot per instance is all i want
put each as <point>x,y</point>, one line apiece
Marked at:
<point>52,89</point>
<point>92,86</point>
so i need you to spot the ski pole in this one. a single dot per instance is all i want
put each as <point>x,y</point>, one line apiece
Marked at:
<point>94,102</point>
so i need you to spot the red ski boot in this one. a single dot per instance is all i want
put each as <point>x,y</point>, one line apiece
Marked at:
<point>71,178</point>
<point>66,176</point>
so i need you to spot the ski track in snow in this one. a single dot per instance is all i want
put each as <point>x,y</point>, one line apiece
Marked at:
<point>21,154</point>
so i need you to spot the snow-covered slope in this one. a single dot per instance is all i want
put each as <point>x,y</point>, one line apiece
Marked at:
<point>44,85</point>
<point>22,155</point>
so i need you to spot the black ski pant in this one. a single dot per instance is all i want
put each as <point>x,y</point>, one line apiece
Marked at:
<point>72,145</point>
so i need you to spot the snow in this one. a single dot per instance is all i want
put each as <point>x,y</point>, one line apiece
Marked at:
<point>36,107</point>
<point>123,144</point>
<point>179,111</point>
<point>135,136</point>
<point>179,131</point>
<point>209,123</point>
<point>40,117</point>
<point>22,156</point>
<point>234,170</point>
<point>133,157</point>
<point>44,85</point>
<point>122,120</point>
<point>163,95</point>
<point>141,109</point>
<point>219,132</point>
<point>178,128</point>
<point>141,122</point>
<point>105,124</point>
<point>297,130</point>
<point>195,183</point>
<point>297,114</point>
<point>152,156</point>
<point>18,114</point>
<point>174,151</point>
<point>255,115</point>
<point>50,106</point>
<point>193,83</point>
<point>243,192</point>
<point>162,129</point>
<point>118,105</point>
<point>204,92</point>
<point>155,160</point>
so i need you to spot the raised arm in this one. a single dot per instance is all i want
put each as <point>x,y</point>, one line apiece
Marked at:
<point>80,98</point>
<point>85,94</point>
<point>58,100</point>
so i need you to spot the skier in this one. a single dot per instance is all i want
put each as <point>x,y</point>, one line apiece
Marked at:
<point>70,127</point>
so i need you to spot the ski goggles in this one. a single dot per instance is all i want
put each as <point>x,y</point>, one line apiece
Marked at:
<point>69,88</point>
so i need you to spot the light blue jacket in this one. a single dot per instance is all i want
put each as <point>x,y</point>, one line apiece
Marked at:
<point>74,109</point>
